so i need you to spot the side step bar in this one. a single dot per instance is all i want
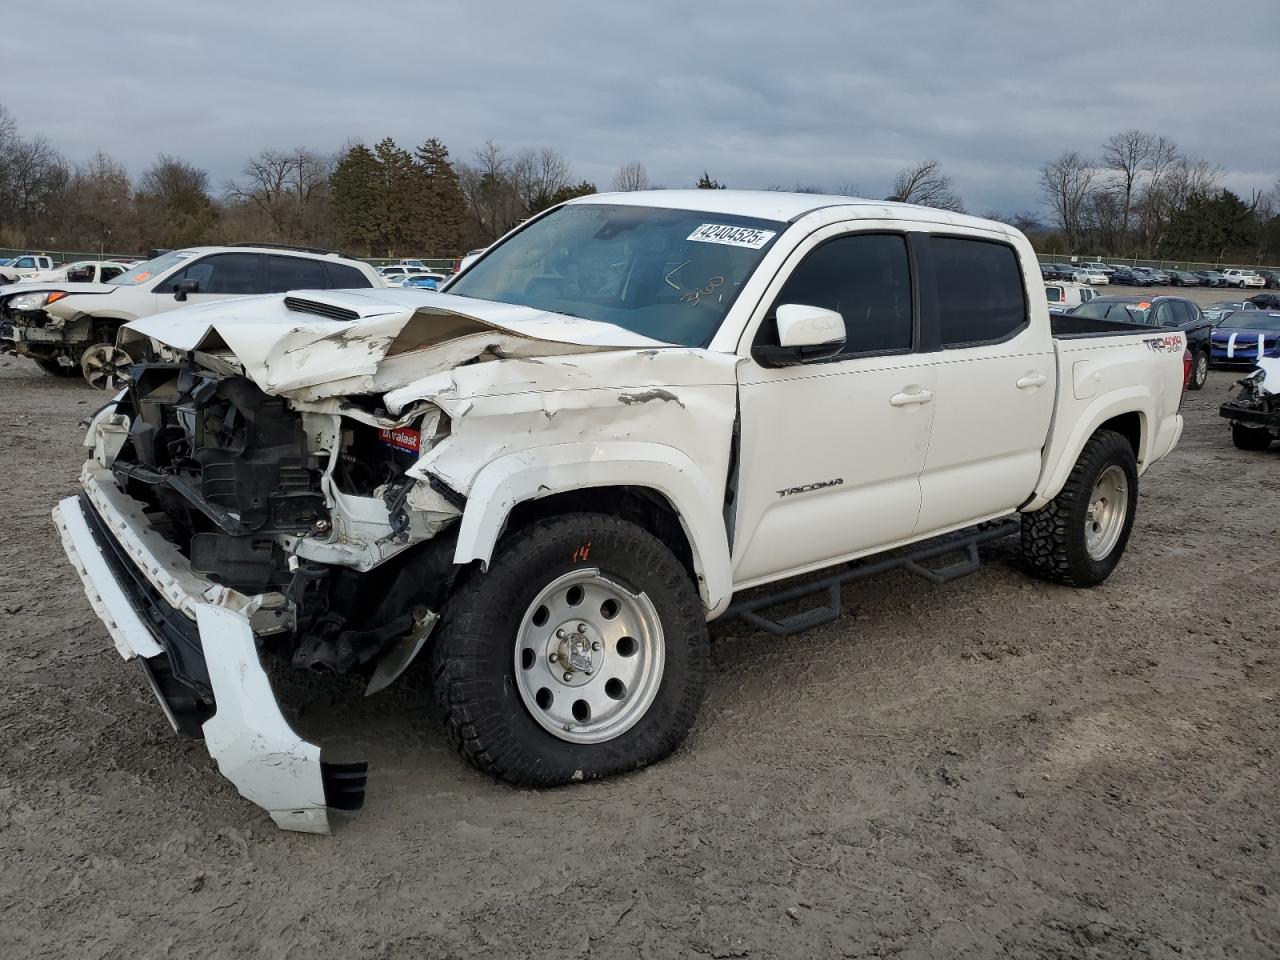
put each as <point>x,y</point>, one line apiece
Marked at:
<point>911,559</point>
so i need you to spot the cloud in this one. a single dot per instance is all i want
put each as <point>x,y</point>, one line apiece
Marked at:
<point>823,92</point>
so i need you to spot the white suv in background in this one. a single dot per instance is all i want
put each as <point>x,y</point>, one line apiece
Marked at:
<point>70,328</point>
<point>1243,278</point>
<point>25,266</point>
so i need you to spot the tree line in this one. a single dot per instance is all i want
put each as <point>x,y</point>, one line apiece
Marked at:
<point>1141,197</point>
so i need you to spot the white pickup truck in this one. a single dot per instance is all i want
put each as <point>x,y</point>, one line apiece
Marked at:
<point>24,267</point>
<point>552,475</point>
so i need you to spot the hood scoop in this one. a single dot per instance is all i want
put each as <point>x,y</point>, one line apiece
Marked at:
<point>330,311</point>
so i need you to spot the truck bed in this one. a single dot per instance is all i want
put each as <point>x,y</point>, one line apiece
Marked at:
<point>1070,327</point>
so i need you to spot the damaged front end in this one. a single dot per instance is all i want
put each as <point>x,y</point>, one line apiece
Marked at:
<point>218,523</point>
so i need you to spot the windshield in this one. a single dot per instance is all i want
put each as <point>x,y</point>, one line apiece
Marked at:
<point>670,275</point>
<point>151,269</point>
<point>1251,320</point>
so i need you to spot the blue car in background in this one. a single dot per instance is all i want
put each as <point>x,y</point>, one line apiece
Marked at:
<point>1242,337</point>
<point>424,281</point>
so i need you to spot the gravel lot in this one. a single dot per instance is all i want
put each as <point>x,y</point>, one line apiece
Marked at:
<point>993,767</point>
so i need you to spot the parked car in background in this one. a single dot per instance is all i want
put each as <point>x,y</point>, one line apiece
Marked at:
<point>82,271</point>
<point>413,262</point>
<point>1220,308</point>
<point>1062,296</point>
<point>1266,301</point>
<point>1097,266</point>
<point>69,328</point>
<point>1090,275</point>
<point>1271,278</point>
<point>468,258</point>
<point>24,266</point>
<point>1174,313</point>
<point>1211,278</point>
<point>395,272</point>
<point>1246,336</point>
<point>1150,275</point>
<point>1127,276</point>
<point>1236,277</point>
<point>425,281</point>
<point>1183,278</point>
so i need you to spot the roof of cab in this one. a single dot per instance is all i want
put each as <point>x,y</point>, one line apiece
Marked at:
<point>787,207</point>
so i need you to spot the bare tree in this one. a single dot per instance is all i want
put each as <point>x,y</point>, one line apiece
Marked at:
<point>490,193</point>
<point>1126,155</point>
<point>282,185</point>
<point>1065,183</point>
<point>538,176</point>
<point>631,177</point>
<point>925,184</point>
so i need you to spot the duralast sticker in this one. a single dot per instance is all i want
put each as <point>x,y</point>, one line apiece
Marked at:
<point>748,237</point>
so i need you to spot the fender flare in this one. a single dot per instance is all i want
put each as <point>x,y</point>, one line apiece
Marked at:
<point>518,477</point>
<point>1115,404</point>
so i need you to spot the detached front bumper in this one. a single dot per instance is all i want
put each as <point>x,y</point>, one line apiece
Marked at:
<point>204,668</point>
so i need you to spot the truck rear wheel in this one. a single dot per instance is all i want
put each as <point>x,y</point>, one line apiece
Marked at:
<point>1250,438</point>
<point>1080,535</point>
<point>581,652</point>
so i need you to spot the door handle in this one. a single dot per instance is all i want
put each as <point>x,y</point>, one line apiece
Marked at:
<point>1031,380</point>
<point>910,399</point>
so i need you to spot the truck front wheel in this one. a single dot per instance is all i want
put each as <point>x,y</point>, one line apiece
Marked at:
<point>1080,535</point>
<point>581,652</point>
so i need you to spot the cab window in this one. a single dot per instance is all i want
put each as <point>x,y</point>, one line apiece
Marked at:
<point>864,277</point>
<point>980,294</point>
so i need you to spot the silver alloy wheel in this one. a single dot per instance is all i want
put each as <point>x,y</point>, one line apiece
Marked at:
<point>1202,368</point>
<point>106,366</point>
<point>1108,508</point>
<point>589,657</point>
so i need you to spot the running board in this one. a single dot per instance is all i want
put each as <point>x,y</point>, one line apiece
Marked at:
<point>911,559</point>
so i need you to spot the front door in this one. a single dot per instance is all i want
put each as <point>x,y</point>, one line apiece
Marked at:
<point>831,452</point>
<point>216,277</point>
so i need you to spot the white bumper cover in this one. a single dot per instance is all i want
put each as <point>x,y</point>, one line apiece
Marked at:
<point>253,744</point>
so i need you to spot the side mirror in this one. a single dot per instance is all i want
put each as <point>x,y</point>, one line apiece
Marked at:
<point>184,287</point>
<point>805,334</point>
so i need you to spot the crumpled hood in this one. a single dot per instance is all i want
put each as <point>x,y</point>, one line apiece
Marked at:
<point>317,344</point>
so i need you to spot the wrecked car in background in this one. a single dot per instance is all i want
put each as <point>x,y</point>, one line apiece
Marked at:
<point>1255,412</point>
<point>69,328</point>
<point>551,476</point>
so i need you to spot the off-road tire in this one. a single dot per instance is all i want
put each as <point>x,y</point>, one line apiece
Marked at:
<point>55,369</point>
<point>473,666</point>
<point>1053,537</point>
<point>1199,370</point>
<point>1255,439</point>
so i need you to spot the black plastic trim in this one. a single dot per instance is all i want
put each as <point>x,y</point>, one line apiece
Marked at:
<point>176,633</point>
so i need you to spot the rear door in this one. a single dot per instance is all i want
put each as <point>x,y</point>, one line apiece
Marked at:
<point>996,373</point>
<point>831,452</point>
<point>286,273</point>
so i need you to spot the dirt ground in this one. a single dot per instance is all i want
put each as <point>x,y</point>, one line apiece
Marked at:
<point>995,767</point>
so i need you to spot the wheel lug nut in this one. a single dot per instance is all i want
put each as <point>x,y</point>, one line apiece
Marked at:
<point>582,628</point>
<point>595,645</point>
<point>559,634</point>
<point>588,672</point>
<point>554,657</point>
<point>568,676</point>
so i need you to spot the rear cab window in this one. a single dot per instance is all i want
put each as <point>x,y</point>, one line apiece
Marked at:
<point>979,288</point>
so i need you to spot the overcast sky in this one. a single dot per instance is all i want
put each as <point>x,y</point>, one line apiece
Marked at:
<point>822,92</point>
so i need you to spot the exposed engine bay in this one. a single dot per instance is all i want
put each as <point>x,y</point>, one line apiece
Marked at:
<point>246,486</point>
